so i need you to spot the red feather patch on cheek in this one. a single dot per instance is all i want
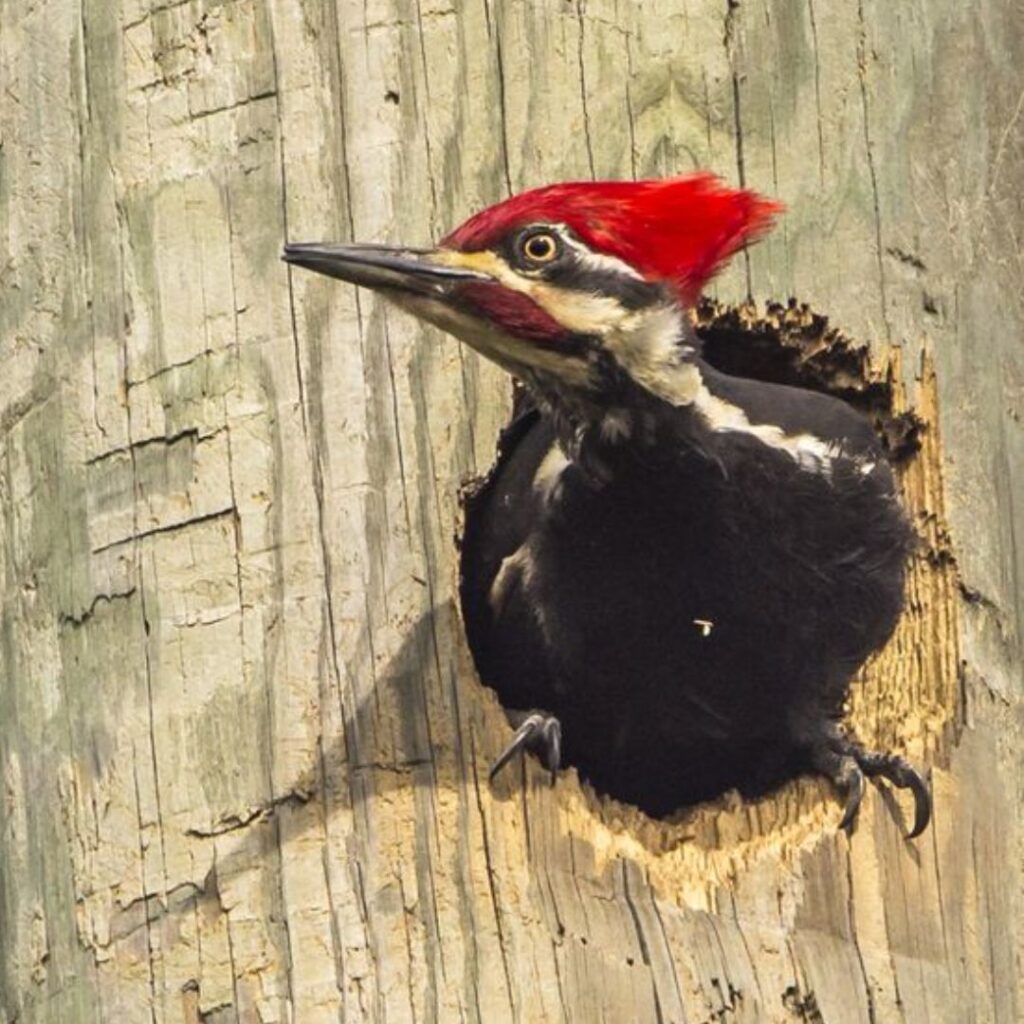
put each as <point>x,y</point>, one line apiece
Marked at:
<point>513,312</point>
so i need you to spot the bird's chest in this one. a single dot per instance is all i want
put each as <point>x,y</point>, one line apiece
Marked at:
<point>631,567</point>
<point>682,566</point>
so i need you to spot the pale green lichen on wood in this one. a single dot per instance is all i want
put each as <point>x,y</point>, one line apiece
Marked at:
<point>242,747</point>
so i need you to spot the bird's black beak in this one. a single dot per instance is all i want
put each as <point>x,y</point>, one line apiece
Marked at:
<point>415,271</point>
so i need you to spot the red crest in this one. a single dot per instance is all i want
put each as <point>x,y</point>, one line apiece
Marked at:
<point>676,229</point>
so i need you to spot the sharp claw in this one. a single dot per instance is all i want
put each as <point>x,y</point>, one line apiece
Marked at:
<point>902,775</point>
<point>517,743</point>
<point>854,784</point>
<point>536,730</point>
<point>553,738</point>
<point>503,759</point>
<point>922,805</point>
<point>848,765</point>
<point>837,762</point>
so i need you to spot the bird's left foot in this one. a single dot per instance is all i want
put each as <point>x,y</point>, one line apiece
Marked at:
<point>537,732</point>
<point>848,764</point>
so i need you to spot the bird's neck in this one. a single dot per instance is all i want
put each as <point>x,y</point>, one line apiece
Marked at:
<point>656,410</point>
<point>607,429</point>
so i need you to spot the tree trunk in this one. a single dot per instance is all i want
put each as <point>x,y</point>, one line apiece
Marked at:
<point>243,747</point>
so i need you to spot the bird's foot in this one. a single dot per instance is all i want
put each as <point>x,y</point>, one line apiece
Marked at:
<point>538,732</point>
<point>848,764</point>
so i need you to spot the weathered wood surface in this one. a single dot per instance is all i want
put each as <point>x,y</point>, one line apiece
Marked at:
<point>242,747</point>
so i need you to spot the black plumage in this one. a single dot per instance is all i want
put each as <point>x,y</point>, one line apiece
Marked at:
<point>693,613</point>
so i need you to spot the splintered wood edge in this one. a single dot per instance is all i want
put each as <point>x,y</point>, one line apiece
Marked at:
<point>907,699</point>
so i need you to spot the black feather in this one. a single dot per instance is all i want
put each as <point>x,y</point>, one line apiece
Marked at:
<point>693,618</point>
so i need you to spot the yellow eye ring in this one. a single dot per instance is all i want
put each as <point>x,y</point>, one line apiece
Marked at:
<point>540,248</point>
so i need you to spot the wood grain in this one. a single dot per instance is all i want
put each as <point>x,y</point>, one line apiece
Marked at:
<point>242,744</point>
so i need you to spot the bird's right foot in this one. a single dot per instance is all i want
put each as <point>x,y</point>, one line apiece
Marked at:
<point>537,732</point>
<point>848,765</point>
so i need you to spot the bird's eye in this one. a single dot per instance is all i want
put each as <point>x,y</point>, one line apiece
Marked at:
<point>540,248</point>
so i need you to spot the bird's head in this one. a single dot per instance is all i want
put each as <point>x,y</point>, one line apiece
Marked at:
<point>569,285</point>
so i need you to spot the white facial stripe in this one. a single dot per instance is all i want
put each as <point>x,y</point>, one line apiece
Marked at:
<point>512,354</point>
<point>595,260</point>
<point>576,312</point>
<point>627,334</point>
<point>579,312</point>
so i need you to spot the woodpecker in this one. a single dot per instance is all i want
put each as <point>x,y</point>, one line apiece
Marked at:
<point>672,574</point>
